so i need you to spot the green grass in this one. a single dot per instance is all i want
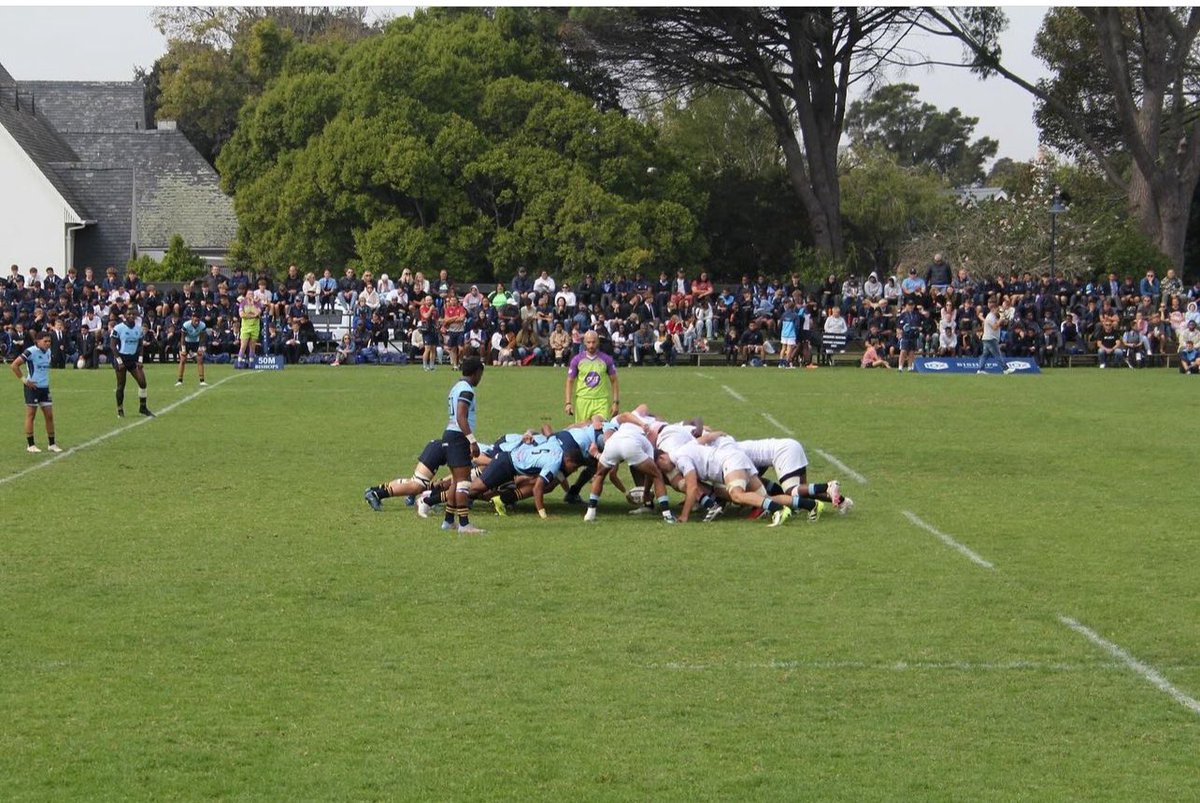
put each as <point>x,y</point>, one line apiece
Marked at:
<point>203,606</point>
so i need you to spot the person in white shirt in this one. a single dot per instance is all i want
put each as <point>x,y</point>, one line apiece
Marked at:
<point>544,284</point>
<point>991,339</point>
<point>835,324</point>
<point>567,294</point>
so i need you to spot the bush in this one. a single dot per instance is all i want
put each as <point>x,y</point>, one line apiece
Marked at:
<point>179,264</point>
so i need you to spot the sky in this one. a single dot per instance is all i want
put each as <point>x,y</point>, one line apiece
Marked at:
<point>106,43</point>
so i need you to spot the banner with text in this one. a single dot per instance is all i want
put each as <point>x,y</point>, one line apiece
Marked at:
<point>969,365</point>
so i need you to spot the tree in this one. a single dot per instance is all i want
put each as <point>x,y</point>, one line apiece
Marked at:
<point>1123,93</point>
<point>886,203</point>
<point>219,57</point>
<point>179,264</point>
<point>451,142</point>
<point>796,64</point>
<point>919,134</point>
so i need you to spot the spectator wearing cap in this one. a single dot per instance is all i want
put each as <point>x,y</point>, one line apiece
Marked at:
<point>913,287</point>
<point>521,284</point>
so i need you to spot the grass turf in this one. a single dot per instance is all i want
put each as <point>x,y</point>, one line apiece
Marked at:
<point>203,606</point>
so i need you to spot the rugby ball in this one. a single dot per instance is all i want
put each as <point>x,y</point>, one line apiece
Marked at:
<point>80,363</point>
<point>635,496</point>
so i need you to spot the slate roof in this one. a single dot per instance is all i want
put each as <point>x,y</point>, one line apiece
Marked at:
<point>89,105</point>
<point>139,187</point>
<point>43,144</point>
<point>177,192</point>
<point>108,193</point>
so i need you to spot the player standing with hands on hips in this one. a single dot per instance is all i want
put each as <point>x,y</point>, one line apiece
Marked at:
<point>127,359</point>
<point>461,446</point>
<point>191,341</point>
<point>37,388</point>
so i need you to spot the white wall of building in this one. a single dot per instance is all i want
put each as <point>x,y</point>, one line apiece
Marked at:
<point>33,216</point>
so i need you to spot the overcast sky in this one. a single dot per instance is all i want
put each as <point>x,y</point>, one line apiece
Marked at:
<point>105,43</point>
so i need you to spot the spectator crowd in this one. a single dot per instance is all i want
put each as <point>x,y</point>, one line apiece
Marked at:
<point>640,321</point>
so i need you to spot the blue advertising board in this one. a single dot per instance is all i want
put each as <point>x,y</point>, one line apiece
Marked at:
<point>969,365</point>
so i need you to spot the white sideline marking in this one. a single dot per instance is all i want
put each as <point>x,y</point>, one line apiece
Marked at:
<point>904,666</point>
<point>771,419</point>
<point>117,431</point>
<point>703,376</point>
<point>734,393</point>
<point>947,540</point>
<point>845,469</point>
<point>1147,672</point>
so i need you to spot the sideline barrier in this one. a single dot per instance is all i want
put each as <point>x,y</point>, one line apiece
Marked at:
<point>969,365</point>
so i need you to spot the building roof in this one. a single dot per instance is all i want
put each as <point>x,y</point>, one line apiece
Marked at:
<point>107,192</point>
<point>89,105</point>
<point>176,191</point>
<point>5,78</point>
<point>43,145</point>
<point>977,194</point>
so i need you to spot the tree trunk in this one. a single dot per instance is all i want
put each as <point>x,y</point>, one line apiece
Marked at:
<point>825,227</point>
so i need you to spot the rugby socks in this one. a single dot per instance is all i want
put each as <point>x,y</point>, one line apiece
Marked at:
<point>769,505</point>
<point>803,502</point>
<point>30,439</point>
<point>509,496</point>
<point>593,499</point>
<point>664,503</point>
<point>707,501</point>
<point>818,488</point>
<point>464,492</point>
<point>49,435</point>
<point>382,490</point>
<point>773,488</point>
<point>142,399</point>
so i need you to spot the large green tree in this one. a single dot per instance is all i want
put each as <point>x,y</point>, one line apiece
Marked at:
<point>451,142</point>
<point>1123,93</point>
<point>919,134</point>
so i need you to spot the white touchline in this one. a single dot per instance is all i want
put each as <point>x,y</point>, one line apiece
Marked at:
<point>845,469</point>
<point>903,666</point>
<point>115,432</point>
<point>1146,671</point>
<point>947,540</point>
<point>772,420</point>
<point>703,376</point>
<point>734,393</point>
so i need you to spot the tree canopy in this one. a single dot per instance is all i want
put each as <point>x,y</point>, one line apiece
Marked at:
<point>919,134</point>
<point>450,141</point>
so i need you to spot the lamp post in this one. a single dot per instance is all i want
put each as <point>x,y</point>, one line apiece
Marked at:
<point>1057,207</point>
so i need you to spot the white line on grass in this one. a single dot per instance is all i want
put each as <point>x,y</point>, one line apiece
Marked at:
<point>947,540</point>
<point>703,376</point>
<point>845,469</point>
<point>775,422</point>
<point>117,431</point>
<point>904,666</point>
<point>734,393</point>
<point>1147,672</point>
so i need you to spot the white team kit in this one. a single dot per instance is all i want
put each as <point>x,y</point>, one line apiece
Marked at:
<point>785,455</point>
<point>627,445</point>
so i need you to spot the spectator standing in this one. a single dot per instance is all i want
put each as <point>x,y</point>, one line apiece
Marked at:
<point>992,322</point>
<point>908,330</point>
